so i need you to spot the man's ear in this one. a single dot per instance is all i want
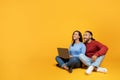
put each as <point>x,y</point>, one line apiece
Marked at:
<point>90,36</point>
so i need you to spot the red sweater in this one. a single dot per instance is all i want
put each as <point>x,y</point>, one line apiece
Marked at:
<point>95,48</point>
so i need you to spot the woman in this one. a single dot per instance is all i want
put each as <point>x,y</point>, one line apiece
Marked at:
<point>76,48</point>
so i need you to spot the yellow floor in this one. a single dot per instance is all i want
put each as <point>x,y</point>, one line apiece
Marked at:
<point>54,73</point>
<point>44,68</point>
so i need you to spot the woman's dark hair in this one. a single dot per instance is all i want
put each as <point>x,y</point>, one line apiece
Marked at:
<point>80,39</point>
<point>90,34</point>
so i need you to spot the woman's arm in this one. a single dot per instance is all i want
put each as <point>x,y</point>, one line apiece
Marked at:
<point>83,50</point>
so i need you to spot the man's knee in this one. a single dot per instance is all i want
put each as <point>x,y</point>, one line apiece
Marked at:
<point>81,56</point>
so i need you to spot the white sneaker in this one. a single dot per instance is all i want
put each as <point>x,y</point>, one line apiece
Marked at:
<point>103,70</point>
<point>89,70</point>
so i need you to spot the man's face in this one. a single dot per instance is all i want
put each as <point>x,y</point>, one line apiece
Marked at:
<point>86,37</point>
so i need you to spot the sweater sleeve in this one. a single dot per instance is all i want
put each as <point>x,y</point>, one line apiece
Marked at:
<point>83,50</point>
<point>102,49</point>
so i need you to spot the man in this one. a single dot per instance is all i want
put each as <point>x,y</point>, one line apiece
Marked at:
<point>95,52</point>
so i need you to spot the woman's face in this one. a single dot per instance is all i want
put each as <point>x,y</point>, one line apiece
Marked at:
<point>76,36</point>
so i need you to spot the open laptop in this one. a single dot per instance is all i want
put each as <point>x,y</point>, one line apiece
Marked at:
<point>63,53</point>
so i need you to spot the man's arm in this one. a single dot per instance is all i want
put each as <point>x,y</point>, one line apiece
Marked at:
<point>102,49</point>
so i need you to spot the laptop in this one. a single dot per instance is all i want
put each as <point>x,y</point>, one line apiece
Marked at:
<point>63,53</point>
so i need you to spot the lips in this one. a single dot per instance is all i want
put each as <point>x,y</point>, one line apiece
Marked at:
<point>74,37</point>
<point>85,39</point>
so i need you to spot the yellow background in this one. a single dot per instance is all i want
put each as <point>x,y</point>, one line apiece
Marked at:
<point>31,30</point>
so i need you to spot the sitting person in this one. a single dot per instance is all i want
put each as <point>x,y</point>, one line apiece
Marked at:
<point>95,52</point>
<point>76,48</point>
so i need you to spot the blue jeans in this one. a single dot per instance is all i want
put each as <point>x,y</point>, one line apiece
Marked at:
<point>73,62</point>
<point>88,61</point>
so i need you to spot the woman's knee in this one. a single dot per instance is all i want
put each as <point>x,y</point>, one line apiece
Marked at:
<point>57,57</point>
<point>74,59</point>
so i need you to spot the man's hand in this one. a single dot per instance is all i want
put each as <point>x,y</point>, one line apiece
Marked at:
<point>94,58</point>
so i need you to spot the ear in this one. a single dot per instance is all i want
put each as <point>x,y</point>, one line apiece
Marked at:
<point>90,36</point>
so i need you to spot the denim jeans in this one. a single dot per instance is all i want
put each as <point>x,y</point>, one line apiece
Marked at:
<point>73,62</point>
<point>88,61</point>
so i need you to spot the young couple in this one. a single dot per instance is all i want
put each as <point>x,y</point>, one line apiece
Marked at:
<point>90,53</point>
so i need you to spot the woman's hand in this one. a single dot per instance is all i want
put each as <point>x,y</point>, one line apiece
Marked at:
<point>71,56</point>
